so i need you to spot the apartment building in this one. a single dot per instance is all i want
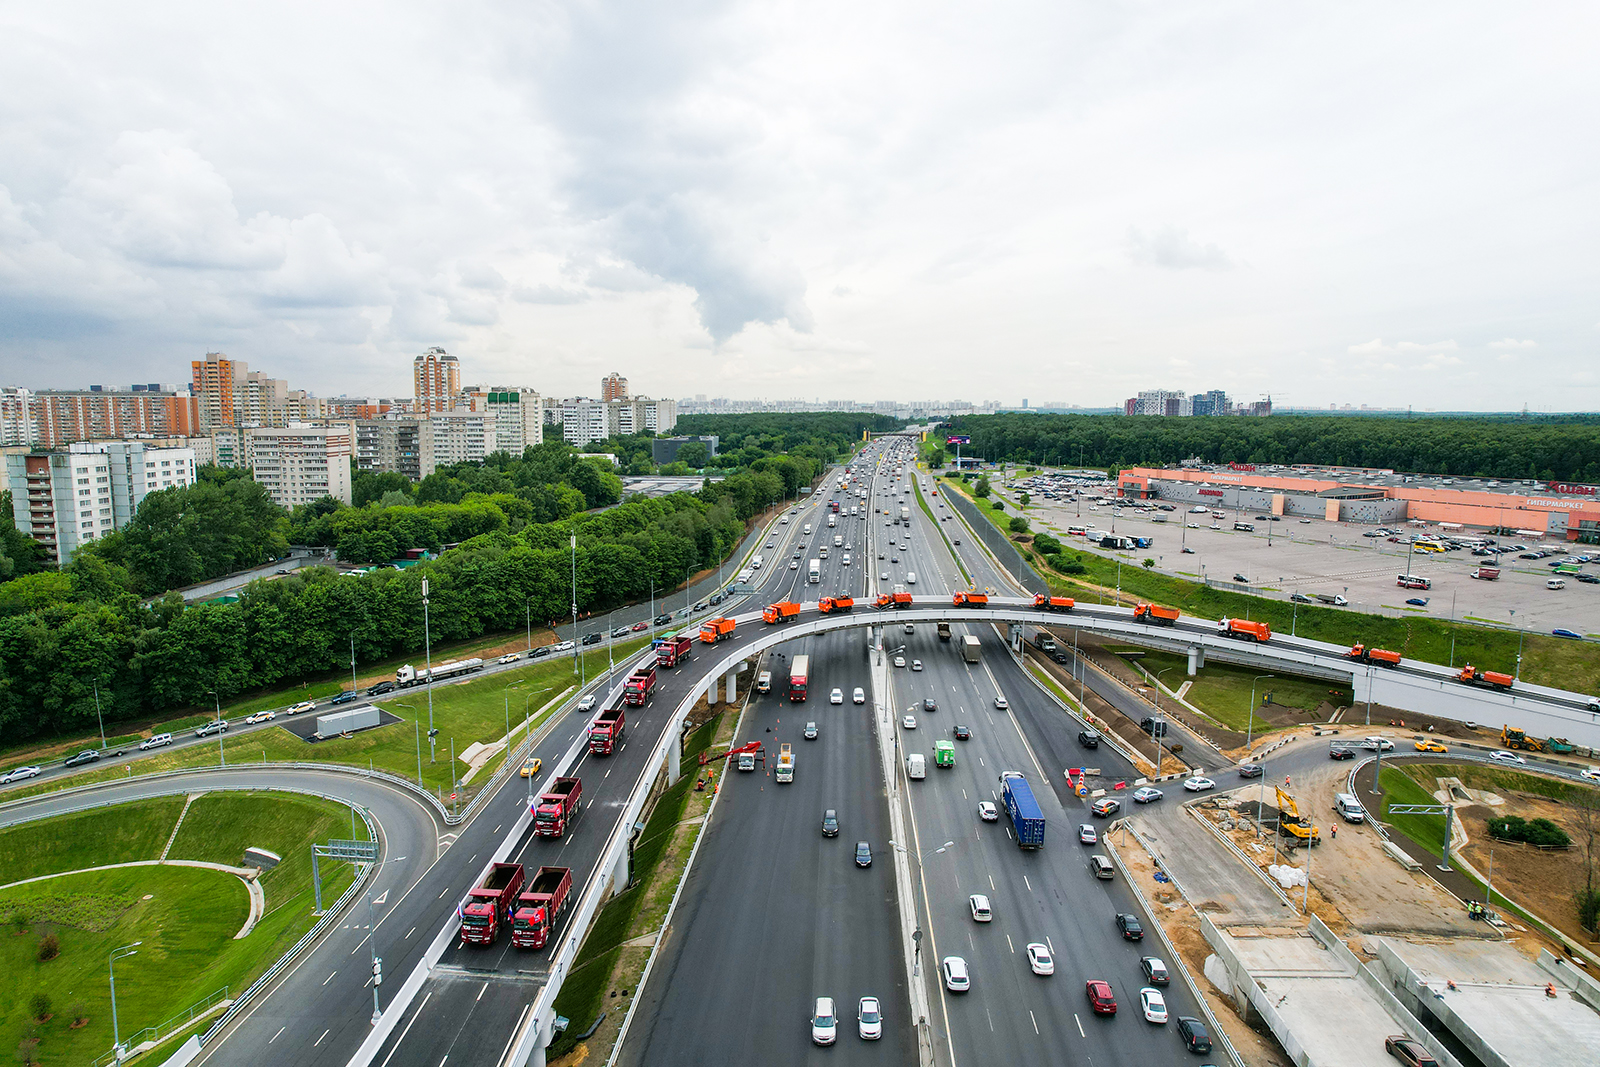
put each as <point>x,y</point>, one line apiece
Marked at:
<point>54,418</point>
<point>60,499</point>
<point>460,437</point>
<point>229,394</point>
<point>585,420</point>
<point>137,469</point>
<point>300,464</point>
<point>395,446</point>
<point>436,376</point>
<point>518,418</point>
<point>613,387</point>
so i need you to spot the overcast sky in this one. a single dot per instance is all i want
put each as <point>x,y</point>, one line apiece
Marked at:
<point>1356,203</point>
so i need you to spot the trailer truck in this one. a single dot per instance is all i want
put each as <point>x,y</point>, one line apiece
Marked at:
<point>539,907</point>
<point>640,684</point>
<point>490,902</point>
<point>799,668</point>
<point>605,733</point>
<point>409,675</point>
<point>554,811</point>
<point>970,649</point>
<point>671,651</point>
<point>1026,817</point>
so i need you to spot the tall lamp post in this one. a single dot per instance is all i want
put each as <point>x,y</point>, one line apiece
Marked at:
<point>118,954</point>
<point>97,713</point>
<point>222,757</point>
<point>1249,733</point>
<point>1518,675</point>
<point>1159,726</point>
<point>576,654</point>
<point>427,646</point>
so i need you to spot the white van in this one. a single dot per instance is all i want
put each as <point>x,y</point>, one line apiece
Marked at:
<point>155,742</point>
<point>764,682</point>
<point>756,563</point>
<point>916,765</point>
<point>806,530</point>
<point>1349,807</point>
<point>911,577</point>
<point>1555,583</point>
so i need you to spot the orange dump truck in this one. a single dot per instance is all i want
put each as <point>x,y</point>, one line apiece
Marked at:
<point>782,611</point>
<point>1492,679</point>
<point>1245,631</point>
<point>971,600</point>
<point>1155,613</point>
<point>1052,603</point>
<point>1374,655</point>
<point>898,599</point>
<point>714,630</point>
<point>830,604</point>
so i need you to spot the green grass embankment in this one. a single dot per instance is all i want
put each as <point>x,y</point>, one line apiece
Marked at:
<point>1223,692</point>
<point>185,918</point>
<point>1546,660</point>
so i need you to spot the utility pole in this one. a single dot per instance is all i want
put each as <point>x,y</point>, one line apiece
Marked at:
<point>576,644</point>
<point>97,713</point>
<point>117,954</point>
<point>427,646</point>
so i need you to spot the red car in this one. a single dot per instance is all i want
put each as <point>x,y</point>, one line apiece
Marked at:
<point>1100,997</point>
<point>640,626</point>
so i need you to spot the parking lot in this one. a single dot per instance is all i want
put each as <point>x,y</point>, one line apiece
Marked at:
<point>1334,558</point>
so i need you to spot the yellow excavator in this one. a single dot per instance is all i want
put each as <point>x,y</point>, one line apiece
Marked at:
<point>1294,826</point>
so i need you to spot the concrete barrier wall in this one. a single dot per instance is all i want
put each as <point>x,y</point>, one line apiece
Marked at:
<point>1584,987</point>
<point>1408,1022</point>
<point>1245,984</point>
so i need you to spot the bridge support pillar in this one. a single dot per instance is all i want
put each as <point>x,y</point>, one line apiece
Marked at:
<point>711,693</point>
<point>733,683</point>
<point>1014,637</point>
<point>1197,658</point>
<point>617,876</point>
<point>674,754</point>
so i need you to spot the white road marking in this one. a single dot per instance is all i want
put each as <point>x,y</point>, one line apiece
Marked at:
<point>1080,1024</point>
<point>318,1041</point>
<point>991,1019</point>
<point>1027,883</point>
<point>277,1035</point>
<point>409,933</point>
<point>991,883</point>
<point>328,979</point>
<point>1051,945</point>
<point>1035,1022</point>
<point>480,993</point>
<point>1009,945</point>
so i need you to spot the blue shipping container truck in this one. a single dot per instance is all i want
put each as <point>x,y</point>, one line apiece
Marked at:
<point>1026,817</point>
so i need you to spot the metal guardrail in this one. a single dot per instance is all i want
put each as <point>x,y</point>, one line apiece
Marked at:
<point>160,1032</point>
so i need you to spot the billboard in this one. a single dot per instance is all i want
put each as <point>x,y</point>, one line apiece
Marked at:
<point>960,440</point>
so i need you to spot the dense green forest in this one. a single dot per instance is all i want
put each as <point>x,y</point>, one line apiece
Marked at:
<point>743,439</point>
<point>102,620</point>
<point>1499,447</point>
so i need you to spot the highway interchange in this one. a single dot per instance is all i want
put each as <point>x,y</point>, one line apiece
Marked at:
<point>773,913</point>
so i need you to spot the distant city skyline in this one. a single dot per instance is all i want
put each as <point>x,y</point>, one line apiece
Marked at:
<point>1351,204</point>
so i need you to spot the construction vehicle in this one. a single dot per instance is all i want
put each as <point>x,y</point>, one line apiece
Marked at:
<point>671,651</point>
<point>1244,630</point>
<point>1381,656</point>
<point>897,599</point>
<point>1559,745</point>
<point>1511,737</point>
<point>1490,679</point>
<point>782,611</point>
<point>752,749</point>
<point>785,763</point>
<point>1155,613</point>
<point>1053,603</point>
<point>640,684</point>
<point>554,811</point>
<point>830,604</point>
<point>543,900</point>
<point>1296,828</point>
<point>605,733</point>
<point>714,630</point>
<point>971,600</point>
<point>485,905</point>
<point>944,631</point>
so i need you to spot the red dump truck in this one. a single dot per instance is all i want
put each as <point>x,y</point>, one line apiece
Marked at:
<point>1491,679</point>
<point>540,906</point>
<point>1245,631</point>
<point>1052,603</point>
<point>830,604</point>
<point>714,630</point>
<point>554,811</point>
<point>971,600</point>
<point>897,599</point>
<point>671,651</point>
<point>489,904</point>
<point>1155,613</point>
<point>640,684</point>
<point>1374,655</point>
<point>782,611</point>
<point>605,733</point>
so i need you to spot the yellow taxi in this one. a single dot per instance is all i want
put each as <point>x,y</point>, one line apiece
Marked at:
<point>531,767</point>
<point>1431,745</point>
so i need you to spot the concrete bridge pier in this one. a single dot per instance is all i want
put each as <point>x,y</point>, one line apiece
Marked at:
<point>1197,658</point>
<point>733,682</point>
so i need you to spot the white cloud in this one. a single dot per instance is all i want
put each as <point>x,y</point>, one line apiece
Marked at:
<point>1513,343</point>
<point>1172,247</point>
<point>1379,347</point>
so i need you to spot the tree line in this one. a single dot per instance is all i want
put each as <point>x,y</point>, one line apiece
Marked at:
<point>1547,449</point>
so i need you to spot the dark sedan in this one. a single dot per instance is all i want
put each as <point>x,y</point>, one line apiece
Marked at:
<point>88,755</point>
<point>863,854</point>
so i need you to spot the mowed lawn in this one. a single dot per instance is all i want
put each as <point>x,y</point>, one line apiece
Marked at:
<point>1224,692</point>
<point>186,918</point>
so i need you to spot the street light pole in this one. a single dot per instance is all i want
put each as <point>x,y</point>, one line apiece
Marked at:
<point>1250,723</point>
<point>97,713</point>
<point>1159,724</point>
<point>1518,675</point>
<point>427,646</point>
<point>576,646</point>
<point>117,954</point>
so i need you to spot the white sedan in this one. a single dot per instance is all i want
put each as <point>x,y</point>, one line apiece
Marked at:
<point>987,811</point>
<point>899,661</point>
<point>869,1018</point>
<point>1039,961</point>
<point>1000,704</point>
<point>304,705</point>
<point>509,657</point>
<point>1502,756</point>
<point>261,716</point>
<point>860,696</point>
<point>1088,834</point>
<point>836,697</point>
<point>1153,1004</point>
<point>909,722</point>
<point>18,774</point>
<point>1198,784</point>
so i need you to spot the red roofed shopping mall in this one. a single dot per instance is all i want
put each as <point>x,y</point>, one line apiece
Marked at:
<point>1554,510</point>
